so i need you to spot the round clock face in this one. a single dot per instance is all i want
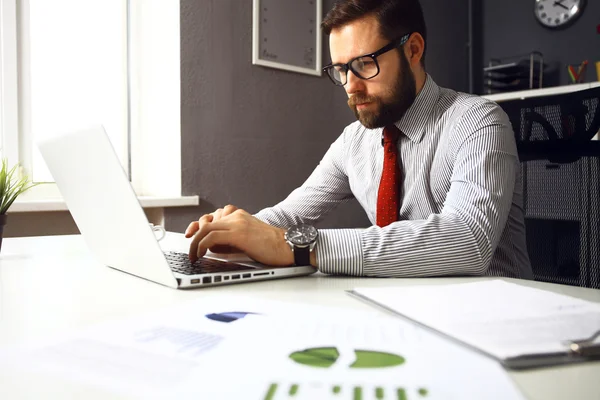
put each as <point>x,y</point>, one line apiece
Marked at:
<point>558,13</point>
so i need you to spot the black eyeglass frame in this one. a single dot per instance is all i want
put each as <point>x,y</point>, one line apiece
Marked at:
<point>348,67</point>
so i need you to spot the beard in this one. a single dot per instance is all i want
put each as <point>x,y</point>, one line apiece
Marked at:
<point>402,95</point>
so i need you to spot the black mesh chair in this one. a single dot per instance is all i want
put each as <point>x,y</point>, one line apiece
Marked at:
<point>561,184</point>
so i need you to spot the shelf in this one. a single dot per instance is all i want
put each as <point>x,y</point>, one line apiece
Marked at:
<point>523,94</point>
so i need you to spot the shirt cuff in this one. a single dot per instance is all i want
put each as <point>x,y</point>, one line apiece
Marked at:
<point>339,252</point>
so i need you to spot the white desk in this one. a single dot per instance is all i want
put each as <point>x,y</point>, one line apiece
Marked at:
<point>51,285</point>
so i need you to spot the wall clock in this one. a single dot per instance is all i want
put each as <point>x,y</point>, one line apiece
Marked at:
<point>558,14</point>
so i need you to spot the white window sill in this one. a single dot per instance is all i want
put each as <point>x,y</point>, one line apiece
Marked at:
<point>22,206</point>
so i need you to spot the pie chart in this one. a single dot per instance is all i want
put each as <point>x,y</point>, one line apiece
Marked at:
<point>228,316</point>
<point>325,357</point>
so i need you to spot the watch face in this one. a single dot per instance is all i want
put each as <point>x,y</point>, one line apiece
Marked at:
<point>302,235</point>
<point>558,13</point>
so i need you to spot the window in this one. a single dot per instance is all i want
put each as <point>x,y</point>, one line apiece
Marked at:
<point>73,72</point>
<point>72,63</point>
<point>8,81</point>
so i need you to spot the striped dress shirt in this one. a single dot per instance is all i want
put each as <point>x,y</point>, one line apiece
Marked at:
<point>461,201</point>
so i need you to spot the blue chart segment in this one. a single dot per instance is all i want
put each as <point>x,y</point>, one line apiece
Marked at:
<point>277,391</point>
<point>228,316</point>
<point>191,342</point>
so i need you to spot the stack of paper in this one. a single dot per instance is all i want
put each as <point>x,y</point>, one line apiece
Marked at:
<point>521,326</point>
<point>245,348</point>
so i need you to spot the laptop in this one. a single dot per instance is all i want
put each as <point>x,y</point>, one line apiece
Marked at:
<point>110,218</point>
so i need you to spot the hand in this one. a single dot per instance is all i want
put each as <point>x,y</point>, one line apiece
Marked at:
<point>212,217</point>
<point>560,4</point>
<point>240,230</point>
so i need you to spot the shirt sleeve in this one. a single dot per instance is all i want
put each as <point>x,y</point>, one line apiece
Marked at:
<point>325,188</point>
<point>462,238</point>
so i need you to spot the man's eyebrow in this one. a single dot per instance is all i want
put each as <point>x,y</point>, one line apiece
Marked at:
<point>349,59</point>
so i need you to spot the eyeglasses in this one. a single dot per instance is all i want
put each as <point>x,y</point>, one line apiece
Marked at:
<point>364,67</point>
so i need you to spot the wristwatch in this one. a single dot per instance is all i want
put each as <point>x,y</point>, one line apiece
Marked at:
<point>301,239</point>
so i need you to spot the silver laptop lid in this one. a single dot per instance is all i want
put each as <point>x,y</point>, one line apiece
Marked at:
<point>103,203</point>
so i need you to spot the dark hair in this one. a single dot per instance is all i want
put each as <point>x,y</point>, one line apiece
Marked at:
<point>396,17</point>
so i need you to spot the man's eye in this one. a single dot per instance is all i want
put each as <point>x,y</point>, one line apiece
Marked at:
<point>363,63</point>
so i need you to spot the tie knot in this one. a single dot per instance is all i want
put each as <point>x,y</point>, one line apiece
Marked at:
<point>390,134</point>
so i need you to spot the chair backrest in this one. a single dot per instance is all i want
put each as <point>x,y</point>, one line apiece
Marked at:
<point>561,184</point>
<point>556,128</point>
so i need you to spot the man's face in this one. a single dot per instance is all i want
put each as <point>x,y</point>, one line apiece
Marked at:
<point>381,100</point>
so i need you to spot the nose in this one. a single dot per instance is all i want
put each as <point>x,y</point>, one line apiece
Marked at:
<point>354,84</point>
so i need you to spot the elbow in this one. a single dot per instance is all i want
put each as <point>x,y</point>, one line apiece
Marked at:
<point>481,268</point>
<point>482,260</point>
<point>478,249</point>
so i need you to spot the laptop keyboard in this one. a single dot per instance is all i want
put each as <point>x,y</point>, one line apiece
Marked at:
<point>179,262</point>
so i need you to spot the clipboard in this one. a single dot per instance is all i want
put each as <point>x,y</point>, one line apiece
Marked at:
<point>576,350</point>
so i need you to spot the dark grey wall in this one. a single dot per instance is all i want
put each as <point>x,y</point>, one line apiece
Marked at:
<point>510,28</point>
<point>447,40</point>
<point>250,135</point>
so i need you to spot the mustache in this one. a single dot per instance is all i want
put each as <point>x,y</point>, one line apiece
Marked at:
<point>359,99</point>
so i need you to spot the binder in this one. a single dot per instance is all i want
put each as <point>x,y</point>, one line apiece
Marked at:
<point>529,355</point>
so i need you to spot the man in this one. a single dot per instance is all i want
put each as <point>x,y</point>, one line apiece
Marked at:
<point>435,170</point>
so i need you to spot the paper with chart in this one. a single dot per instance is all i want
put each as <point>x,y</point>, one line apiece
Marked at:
<point>150,354</point>
<point>503,319</point>
<point>143,356</point>
<point>353,358</point>
<point>221,346</point>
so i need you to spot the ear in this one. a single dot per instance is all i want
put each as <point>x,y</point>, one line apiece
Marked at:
<point>414,49</point>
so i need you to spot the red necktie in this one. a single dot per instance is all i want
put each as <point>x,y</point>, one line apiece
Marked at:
<point>388,197</point>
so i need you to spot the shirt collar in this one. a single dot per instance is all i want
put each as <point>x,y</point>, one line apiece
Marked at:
<point>413,122</point>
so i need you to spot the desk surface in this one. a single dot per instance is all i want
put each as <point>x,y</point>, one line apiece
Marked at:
<point>51,285</point>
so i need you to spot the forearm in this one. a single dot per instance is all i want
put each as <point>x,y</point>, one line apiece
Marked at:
<point>442,245</point>
<point>303,206</point>
<point>323,190</point>
<point>460,240</point>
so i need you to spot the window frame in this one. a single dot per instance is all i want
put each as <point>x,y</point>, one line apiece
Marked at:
<point>9,95</point>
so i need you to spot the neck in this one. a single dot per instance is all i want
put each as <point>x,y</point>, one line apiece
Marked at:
<point>420,78</point>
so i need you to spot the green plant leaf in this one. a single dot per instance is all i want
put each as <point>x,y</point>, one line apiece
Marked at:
<point>11,186</point>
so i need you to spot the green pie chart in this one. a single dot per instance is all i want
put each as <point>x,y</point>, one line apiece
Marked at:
<point>325,357</point>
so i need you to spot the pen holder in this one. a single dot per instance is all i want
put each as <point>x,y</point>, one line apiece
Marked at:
<point>577,72</point>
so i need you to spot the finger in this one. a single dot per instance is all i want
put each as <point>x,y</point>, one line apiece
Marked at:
<point>191,229</point>
<point>215,238</point>
<point>205,229</point>
<point>229,209</point>
<point>217,214</point>
<point>194,226</point>
<point>241,213</point>
<point>205,220</point>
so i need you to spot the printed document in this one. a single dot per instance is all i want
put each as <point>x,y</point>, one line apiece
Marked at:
<point>503,319</point>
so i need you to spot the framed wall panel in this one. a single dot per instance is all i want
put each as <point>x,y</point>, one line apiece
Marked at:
<point>287,35</point>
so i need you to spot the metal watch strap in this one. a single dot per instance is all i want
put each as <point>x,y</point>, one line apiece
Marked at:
<point>302,255</point>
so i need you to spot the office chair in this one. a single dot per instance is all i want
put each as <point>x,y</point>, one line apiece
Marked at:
<point>560,166</point>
